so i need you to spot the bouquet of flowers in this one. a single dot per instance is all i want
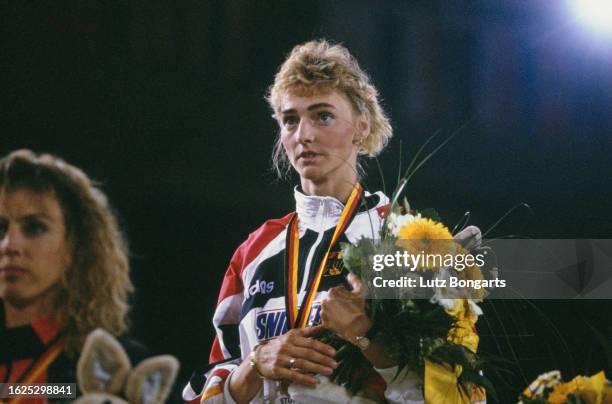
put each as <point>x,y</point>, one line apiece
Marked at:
<point>429,331</point>
<point>549,388</point>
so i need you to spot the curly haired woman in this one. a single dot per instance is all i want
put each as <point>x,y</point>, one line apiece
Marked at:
<point>64,269</point>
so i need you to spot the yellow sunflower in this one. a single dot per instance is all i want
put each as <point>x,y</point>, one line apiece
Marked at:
<point>427,237</point>
<point>424,229</point>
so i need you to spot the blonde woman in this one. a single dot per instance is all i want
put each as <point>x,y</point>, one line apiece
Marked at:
<point>64,268</point>
<point>286,282</point>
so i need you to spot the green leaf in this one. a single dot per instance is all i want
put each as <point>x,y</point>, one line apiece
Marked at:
<point>431,213</point>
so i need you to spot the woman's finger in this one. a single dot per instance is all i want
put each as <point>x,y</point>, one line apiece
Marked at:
<point>295,376</point>
<point>314,345</point>
<point>317,363</point>
<point>309,366</point>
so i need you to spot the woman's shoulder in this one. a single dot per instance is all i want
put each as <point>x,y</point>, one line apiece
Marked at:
<point>256,242</point>
<point>266,232</point>
<point>271,226</point>
<point>374,200</point>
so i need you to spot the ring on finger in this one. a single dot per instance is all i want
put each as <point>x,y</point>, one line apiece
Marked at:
<point>291,363</point>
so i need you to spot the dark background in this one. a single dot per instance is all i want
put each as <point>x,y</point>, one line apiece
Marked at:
<point>163,103</point>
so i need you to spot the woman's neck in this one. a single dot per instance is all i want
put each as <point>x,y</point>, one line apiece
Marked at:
<point>341,190</point>
<point>16,315</point>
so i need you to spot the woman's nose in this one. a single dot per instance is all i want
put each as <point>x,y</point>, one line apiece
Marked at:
<point>10,242</point>
<point>305,131</point>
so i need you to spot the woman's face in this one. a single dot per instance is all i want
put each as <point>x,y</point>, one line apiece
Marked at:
<point>34,253</point>
<point>318,134</point>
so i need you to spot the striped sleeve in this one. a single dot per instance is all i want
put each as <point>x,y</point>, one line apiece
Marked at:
<point>207,384</point>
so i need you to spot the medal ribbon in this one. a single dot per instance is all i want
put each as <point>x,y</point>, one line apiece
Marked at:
<point>297,318</point>
<point>41,364</point>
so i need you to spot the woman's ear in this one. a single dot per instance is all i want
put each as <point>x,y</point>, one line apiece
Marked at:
<point>362,129</point>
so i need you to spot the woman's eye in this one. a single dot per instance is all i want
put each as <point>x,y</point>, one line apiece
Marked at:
<point>34,228</point>
<point>3,228</point>
<point>290,121</point>
<point>325,117</point>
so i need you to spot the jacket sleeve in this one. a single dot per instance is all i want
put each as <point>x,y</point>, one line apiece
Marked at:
<point>209,385</point>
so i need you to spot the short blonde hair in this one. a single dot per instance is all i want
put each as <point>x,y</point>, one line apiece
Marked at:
<point>96,286</point>
<point>318,66</point>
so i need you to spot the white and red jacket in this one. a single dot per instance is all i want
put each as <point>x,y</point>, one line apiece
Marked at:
<point>251,304</point>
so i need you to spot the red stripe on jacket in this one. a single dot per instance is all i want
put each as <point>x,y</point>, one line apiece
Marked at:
<point>244,255</point>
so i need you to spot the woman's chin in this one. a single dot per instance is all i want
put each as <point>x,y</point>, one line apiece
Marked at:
<point>310,173</point>
<point>15,296</point>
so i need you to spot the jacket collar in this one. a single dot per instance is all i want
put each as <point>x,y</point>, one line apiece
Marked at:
<point>45,328</point>
<point>323,212</point>
<point>317,212</point>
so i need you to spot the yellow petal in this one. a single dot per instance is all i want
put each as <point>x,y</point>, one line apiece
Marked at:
<point>591,389</point>
<point>441,385</point>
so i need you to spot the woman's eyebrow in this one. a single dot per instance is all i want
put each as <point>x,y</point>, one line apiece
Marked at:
<point>29,216</point>
<point>310,107</point>
<point>34,216</point>
<point>320,105</point>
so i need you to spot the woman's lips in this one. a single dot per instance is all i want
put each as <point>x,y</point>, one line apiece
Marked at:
<point>308,156</point>
<point>12,271</point>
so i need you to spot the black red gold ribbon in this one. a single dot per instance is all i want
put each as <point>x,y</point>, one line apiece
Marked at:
<point>298,316</point>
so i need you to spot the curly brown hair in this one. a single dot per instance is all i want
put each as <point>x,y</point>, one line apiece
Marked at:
<point>319,66</point>
<point>95,288</point>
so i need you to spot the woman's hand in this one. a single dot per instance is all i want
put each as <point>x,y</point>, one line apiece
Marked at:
<point>293,356</point>
<point>344,312</point>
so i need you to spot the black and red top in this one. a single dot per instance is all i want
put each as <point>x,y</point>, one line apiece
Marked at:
<point>33,353</point>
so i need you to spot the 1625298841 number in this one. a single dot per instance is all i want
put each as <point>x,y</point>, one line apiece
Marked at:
<point>47,390</point>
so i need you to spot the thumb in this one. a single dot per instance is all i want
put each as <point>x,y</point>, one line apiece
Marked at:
<point>356,284</point>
